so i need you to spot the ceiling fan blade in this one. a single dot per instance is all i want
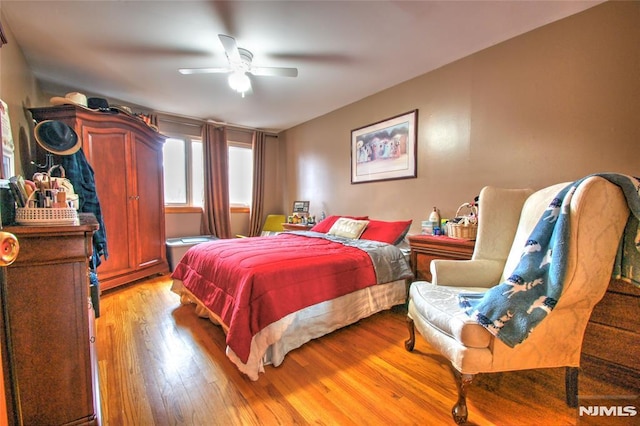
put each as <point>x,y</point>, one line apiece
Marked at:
<point>204,70</point>
<point>231,48</point>
<point>274,71</point>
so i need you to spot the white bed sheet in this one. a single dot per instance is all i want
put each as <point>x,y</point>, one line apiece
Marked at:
<point>270,345</point>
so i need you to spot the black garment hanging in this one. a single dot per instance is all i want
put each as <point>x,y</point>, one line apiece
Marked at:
<point>79,172</point>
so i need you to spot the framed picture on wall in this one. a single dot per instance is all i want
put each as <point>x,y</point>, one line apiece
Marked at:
<point>385,150</point>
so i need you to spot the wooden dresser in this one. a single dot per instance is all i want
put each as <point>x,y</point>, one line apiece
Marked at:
<point>425,248</point>
<point>611,345</point>
<point>126,156</point>
<point>48,333</point>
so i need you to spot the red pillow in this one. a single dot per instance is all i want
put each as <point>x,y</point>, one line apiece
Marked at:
<point>386,232</point>
<point>325,225</point>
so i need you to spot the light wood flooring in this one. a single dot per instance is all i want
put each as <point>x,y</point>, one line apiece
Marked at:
<point>160,364</point>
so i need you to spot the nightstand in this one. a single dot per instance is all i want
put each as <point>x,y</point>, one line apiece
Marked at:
<point>296,227</point>
<point>425,248</point>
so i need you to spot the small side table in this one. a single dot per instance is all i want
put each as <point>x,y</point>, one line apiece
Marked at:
<point>296,227</point>
<point>425,248</point>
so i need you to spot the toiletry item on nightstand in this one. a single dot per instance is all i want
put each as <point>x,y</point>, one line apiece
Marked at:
<point>434,218</point>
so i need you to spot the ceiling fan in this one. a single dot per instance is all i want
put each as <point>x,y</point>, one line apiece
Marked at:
<point>240,64</point>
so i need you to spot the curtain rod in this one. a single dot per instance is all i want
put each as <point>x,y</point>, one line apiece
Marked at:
<point>173,118</point>
<point>239,127</point>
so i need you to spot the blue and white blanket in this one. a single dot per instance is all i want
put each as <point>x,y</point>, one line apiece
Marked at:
<point>513,308</point>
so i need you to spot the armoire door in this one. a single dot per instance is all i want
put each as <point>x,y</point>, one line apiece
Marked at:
<point>149,202</point>
<point>107,151</point>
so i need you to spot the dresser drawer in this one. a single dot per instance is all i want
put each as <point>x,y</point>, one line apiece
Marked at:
<point>620,310</point>
<point>612,336</point>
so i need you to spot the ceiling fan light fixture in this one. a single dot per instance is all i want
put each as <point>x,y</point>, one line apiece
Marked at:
<point>240,64</point>
<point>239,81</point>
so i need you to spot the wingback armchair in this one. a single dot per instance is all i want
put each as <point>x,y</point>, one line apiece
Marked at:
<point>598,213</point>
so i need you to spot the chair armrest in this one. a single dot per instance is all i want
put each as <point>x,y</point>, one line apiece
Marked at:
<point>466,273</point>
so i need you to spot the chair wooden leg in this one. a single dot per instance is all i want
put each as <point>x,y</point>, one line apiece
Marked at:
<point>410,343</point>
<point>463,381</point>
<point>571,386</point>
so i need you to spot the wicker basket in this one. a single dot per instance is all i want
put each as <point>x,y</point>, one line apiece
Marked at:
<point>466,226</point>
<point>46,216</point>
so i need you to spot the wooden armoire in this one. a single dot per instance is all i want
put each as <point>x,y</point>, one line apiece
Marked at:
<point>126,156</point>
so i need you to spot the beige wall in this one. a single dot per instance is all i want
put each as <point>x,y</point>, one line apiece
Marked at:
<point>552,105</point>
<point>555,104</point>
<point>19,89</point>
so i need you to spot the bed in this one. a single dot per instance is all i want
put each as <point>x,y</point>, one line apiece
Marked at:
<point>273,294</point>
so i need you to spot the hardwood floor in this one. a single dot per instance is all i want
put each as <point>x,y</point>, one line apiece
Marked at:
<point>160,364</point>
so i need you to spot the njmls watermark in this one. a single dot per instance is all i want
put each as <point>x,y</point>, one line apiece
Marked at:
<point>608,411</point>
<point>621,406</point>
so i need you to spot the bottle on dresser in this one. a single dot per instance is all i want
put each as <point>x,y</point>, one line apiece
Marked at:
<point>434,219</point>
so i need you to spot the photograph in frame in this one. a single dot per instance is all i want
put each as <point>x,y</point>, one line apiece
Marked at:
<point>300,208</point>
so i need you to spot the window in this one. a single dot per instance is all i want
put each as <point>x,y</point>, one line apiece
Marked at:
<point>175,176</point>
<point>197,174</point>
<point>184,173</point>
<point>240,175</point>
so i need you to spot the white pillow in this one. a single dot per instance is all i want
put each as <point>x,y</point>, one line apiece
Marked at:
<point>348,228</point>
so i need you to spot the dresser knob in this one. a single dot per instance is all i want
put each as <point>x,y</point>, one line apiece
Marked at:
<point>9,248</point>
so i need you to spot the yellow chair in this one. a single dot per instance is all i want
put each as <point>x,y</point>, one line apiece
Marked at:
<point>272,225</point>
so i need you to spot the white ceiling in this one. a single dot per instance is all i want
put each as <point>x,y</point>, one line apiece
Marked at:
<point>344,50</point>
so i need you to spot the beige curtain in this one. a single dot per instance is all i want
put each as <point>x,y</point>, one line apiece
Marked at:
<point>258,144</point>
<point>216,219</point>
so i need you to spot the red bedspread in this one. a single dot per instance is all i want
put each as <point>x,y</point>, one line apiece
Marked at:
<point>252,282</point>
